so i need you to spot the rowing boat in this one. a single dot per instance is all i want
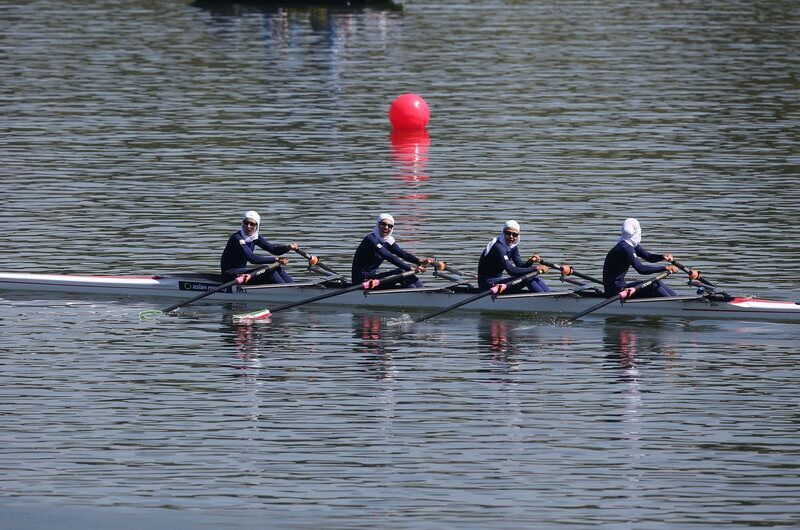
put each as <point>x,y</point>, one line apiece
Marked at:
<point>184,286</point>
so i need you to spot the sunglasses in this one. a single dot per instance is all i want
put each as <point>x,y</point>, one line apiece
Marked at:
<point>387,225</point>
<point>249,223</point>
<point>511,234</point>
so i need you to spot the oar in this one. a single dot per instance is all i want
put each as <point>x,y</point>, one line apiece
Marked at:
<point>317,264</point>
<point>494,290</point>
<point>236,281</point>
<point>623,294</point>
<point>445,267</point>
<point>687,270</point>
<point>569,271</point>
<point>366,286</point>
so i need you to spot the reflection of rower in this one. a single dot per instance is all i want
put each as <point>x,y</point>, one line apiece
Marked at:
<point>621,344</point>
<point>293,7</point>
<point>367,330</point>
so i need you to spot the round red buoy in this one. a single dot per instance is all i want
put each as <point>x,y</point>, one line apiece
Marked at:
<point>409,112</point>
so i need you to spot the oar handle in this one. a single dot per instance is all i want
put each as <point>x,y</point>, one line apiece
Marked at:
<point>571,271</point>
<point>687,270</point>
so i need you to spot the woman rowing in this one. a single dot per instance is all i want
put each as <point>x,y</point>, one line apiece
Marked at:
<point>626,254</point>
<point>379,246</point>
<point>240,251</point>
<point>502,255</point>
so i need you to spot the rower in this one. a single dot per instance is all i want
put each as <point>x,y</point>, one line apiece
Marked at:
<point>626,254</point>
<point>240,251</point>
<point>502,254</point>
<point>380,245</point>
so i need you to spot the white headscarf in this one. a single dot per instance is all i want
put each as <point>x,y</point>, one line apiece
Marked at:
<point>252,215</point>
<point>631,232</point>
<point>502,238</point>
<point>389,240</point>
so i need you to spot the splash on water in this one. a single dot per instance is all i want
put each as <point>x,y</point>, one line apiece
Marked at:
<point>403,319</point>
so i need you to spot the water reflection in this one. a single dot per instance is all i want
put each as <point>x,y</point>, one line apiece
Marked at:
<point>409,151</point>
<point>378,358</point>
<point>245,341</point>
<point>626,344</point>
<point>286,23</point>
<point>501,347</point>
<point>410,155</point>
<point>242,7</point>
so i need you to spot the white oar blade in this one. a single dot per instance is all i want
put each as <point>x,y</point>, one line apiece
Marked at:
<point>252,316</point>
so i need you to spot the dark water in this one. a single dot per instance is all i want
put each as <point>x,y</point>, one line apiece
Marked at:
<point>133,134</point>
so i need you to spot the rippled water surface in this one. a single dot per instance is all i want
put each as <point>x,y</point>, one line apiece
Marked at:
<point>133,134</point>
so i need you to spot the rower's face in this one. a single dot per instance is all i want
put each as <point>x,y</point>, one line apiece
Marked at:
<point>511,236</point>
<point>385,228</point>
<point>249,226</point>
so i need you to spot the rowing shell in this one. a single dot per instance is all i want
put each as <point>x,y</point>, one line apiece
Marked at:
<point>428,298</point>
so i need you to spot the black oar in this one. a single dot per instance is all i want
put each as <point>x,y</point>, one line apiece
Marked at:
<point>366,286</point>
<point>317,264</point>
<point>238,280</point>
<point>445,267</point>
<point>625,293</point>
<point>570,271</point>
<point>687,270</point>
<point>496,289</point>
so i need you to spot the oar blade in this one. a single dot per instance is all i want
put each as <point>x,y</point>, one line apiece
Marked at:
<point>261,314</point>
<point>595,307</point>
<point>150,314</point>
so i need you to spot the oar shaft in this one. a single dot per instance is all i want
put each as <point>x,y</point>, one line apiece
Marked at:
<point>574,272</point>
<point>637,286</point>
<point>319,263</point>
<point>367,285</point>
<point>515,281</point>
<point>456,305</point>
<point>218,288</point>
<point>687,271</point>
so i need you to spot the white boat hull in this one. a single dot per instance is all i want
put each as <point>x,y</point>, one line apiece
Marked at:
<point>564,303</point>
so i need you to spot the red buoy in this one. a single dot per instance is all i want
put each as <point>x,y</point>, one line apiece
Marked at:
<point>409,112</point>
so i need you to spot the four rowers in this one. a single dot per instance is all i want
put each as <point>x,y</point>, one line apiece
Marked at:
<point>500,256</point>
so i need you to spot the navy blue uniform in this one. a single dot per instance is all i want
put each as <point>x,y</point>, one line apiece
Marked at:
<point>371,253</point>
<point>238,253</point>
<point>620,259</point>
<point>492,264</point>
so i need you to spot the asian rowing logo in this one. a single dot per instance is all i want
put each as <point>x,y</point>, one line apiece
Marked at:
<point>196,286</point>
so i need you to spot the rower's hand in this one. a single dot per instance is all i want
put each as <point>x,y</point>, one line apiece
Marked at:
<point>426,261</point>
<point>420,269</point>
<point>535,259</point>
<point>542,269</point>
<point>693,275</point>
<point>312,260</point>
<point>282,261</point>
<point>294,246</point>
<point>672,268</point>
<point>668,257</point>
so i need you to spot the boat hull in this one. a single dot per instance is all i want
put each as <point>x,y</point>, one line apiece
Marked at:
<point>564,303</point>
